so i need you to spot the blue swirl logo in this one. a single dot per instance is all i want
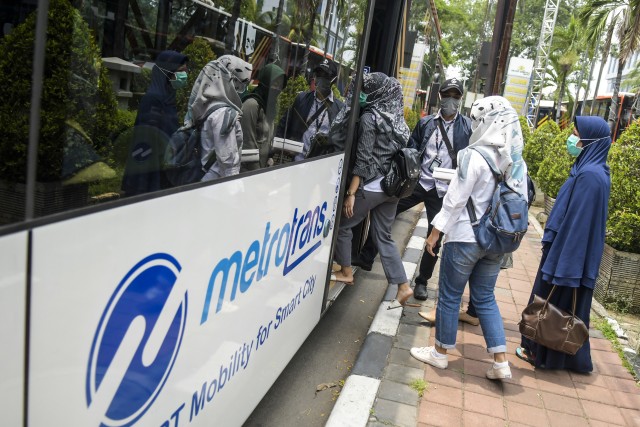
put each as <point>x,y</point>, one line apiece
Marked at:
<point>136,342</point>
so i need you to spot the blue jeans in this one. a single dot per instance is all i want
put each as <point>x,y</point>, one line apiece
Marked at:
<point>462,262</point>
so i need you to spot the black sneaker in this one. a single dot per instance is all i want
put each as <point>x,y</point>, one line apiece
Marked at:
<point>420,291</point>
<point>360,263</point>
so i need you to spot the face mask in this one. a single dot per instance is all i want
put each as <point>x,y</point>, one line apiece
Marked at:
<point>574,151</point>
<point>180,81</point>
<point>363,100</point>
<point>323,86</point>
<point>449,106</point>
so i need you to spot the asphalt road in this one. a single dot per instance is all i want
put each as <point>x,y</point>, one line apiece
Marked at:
<point>330,351</point>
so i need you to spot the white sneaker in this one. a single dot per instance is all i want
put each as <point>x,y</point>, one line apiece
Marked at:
<point>424,354</point>
<point>499,373</point>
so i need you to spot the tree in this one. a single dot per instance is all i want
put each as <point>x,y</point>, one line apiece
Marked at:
<point>622,17</point>
<point>568,44</point>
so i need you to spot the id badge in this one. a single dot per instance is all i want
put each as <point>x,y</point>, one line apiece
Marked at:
<point>435,163</point>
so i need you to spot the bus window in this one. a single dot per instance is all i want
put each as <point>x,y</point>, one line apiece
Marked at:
<point>123,77</point>
<point>15,112</point>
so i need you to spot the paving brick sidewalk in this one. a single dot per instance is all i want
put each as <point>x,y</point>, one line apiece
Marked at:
<point>462,396</point>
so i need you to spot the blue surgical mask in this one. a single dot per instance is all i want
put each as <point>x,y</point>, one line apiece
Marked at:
<point>180,80</point>
<point>363,100</point>
<point>572,148</point>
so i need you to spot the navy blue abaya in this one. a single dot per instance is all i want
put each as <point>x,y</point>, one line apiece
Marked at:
<point>573,240</point>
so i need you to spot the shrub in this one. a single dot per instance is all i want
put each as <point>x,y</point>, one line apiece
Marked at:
<point>623,229</point>
<point>623,226</point>
<point>535,143</point>
<point>554,168</point>
<point>411,117</point>
<point>76,90</point>
<point>200,54</point>
<point>288,95</point>
<point>526,132</point>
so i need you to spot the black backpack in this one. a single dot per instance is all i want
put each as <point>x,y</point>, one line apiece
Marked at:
<point>403,174</point>
<point>183,155</point>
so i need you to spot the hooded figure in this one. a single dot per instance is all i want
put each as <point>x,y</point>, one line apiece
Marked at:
<point>573,240</point>
<point>215,102</point>
<point>156,121</point>
<point>258,112</point>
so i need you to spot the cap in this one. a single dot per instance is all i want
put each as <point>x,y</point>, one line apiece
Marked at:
<point>328,67</point>
<point>452,84</point>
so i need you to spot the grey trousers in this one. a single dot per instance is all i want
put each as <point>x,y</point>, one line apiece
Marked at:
<point>383,213</point>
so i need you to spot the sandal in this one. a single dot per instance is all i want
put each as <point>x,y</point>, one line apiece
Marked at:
<point>334,278</point>
<point>525,355</point>
<point>396,303</point>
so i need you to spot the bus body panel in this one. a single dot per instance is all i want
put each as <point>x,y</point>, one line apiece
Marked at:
<point>13,282</point>
<point>150,335</point>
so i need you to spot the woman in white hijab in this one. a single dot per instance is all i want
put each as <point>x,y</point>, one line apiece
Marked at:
<point>498,135</point>
<point>215,100</point>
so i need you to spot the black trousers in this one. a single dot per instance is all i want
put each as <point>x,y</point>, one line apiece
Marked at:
<point>432,204</point>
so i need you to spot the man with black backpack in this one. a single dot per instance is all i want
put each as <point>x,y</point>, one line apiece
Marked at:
<point>438,137</point>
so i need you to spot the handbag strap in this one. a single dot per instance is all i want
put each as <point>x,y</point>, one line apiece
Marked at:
<point>573,304</point>
<point>445,138</point>
<point>316,114</point>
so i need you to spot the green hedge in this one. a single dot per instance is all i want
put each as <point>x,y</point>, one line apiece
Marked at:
<point>526,132</point>
<point>76,90</point>
<point>200,54</point>
<point>556,164</point>
<point>288,95</point>
<point>623,226</point>
<point>533,152</point>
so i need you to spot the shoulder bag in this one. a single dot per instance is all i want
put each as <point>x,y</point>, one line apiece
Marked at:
<point>404,173</point>
<point>547,325</point>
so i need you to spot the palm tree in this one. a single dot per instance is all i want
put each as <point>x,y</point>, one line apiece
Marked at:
<point>621,17</point>
<point>308,33</point>
<point>568,45</point>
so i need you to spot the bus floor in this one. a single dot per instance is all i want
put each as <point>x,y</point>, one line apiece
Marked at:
<point>307,389</point>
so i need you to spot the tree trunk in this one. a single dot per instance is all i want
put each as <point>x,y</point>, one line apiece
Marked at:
<point>231,28</point>
<point>587,90</point>
<point>274,55</point>
<point>613,110</point>
<point>561,92</point>
<point>575,101</point>
<point>307,40</point>
<point>605,55</point>
<point>328,25</point>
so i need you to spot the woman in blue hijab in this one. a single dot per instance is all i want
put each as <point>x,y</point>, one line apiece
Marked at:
<point>573,240</point>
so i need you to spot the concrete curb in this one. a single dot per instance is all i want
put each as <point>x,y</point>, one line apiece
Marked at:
<point>353,407</point>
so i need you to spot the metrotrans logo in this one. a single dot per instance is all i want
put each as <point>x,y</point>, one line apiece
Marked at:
<point>137,342</point>
<point>287,245</point>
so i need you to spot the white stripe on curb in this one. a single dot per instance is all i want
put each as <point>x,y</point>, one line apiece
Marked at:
<point>409,269</point>
<point>353,407</point>
<point>423,222</point>
<point>416,242</point>
<point>386,321</point>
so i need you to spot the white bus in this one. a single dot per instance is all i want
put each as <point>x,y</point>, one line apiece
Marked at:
<point>178,305</point>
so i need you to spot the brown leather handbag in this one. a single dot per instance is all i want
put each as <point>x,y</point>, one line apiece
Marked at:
<point>547,325</point>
